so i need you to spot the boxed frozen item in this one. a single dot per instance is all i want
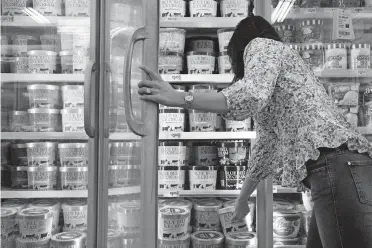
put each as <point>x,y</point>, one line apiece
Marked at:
<point>344,94</point>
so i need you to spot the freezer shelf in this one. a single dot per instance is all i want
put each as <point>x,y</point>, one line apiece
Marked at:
<point>218,193</point>
<point>208,136</point>
<point>225,79</point>
<point>8,194</point>
<point>37,78</point>
<point>327,13</point>
<point>61,136</point>
<point>199,22</point>
<point>43,21</point>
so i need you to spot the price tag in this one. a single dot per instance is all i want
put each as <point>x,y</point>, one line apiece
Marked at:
<point>171,194</point>
<point>357,10</point>
<point>361,73</point>
<point>176,77</point>
<point>7,18</point>
<point>342,25</point>
<point>176,135</point>
<point>275,189</point>
<point>311,10</point>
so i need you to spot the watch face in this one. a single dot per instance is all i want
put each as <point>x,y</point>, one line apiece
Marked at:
<point>189,98</point>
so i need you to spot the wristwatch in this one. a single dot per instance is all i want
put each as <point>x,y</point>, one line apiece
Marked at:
<point>189,98</point>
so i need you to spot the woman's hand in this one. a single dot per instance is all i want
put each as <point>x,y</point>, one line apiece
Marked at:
<point>241,210</point>
<point>159,91</point>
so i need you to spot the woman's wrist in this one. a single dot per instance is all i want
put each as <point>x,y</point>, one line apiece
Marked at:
<point>180,99</point>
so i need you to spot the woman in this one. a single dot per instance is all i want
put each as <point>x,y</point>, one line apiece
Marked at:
<point>300,133</point>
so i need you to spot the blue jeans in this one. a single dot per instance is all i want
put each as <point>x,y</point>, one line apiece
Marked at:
<point>341,188</point>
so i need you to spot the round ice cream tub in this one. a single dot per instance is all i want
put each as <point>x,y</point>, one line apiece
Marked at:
<point>203,178</point>
<point>8,222</point>
<point>44,96</point>
<point>205,154</point>
<point>130,242</point>
<point>5,49</point>
<point>45,120</point>
<point>283,205</point>
<point>226,215</point>
<point>232,177</point>
<point>200,121</point>
<point>72,120</point>
<point>234,8</point>
<point>53,205</point>
<point>124,175</point>
<point>128,215</point>
<point>50,42</point>
<point>172,178</point>
<point>210,239</point>
<point>170,63</point>
<point>14,8</point>
<point>201,62</point>
<point>286,223</point>
<point>67,61</point>
<point>18,205</point>
<point>289,242</point>
<point>173,222</point>
<point>249,219</point>
<point>78,8</point>
<point>203,8</point>
<point>19,65</point>
<point>202,44</point>
<point>205,215</point>
<point>238,150</point>
<point>224,36</point>
<point>19,121</point>
<point>79,62</point>
<point>179,203</point>
<point>113,238</point>
<point>74,178</point>
<point>183,242</point>
<point>69,239</point>
<point>238,126</point>
<point>172,153</point>
<point>22,44</point>
<point>5,121</point>
<point>242,239</point>
<point>203,88</point>
<point>5,64</point>
<point>35,223</point>
<point>19,177</point>
<point>5,153</point>
<point>73,154</point>
<point>25,243</point>
<point>42,154</point>
<point>172,40</point>
<point>48,7</point>
<point>172,120</point>
<point>42,62</point>
<point>72,96</point>
<point>172,8</point>
<point>224,64</point>
<point>42,178</point>
<point>75,215</point>
<point>125,153</point>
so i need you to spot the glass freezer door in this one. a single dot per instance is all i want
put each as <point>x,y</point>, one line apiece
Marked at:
<point>48,121</point>
<point>128,140</point>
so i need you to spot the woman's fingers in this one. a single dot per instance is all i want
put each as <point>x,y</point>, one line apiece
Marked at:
<point>147,83</point>
<point>151,98</point>
<point>154,75</point>
<point>147,91</point>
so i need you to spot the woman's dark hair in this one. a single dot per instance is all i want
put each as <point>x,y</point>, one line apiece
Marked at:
<point>248,29</point>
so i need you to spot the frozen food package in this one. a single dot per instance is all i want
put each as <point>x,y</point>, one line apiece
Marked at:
<point>344,94</point>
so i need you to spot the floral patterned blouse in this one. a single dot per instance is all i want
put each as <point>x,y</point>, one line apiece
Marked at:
<point>293,113</point>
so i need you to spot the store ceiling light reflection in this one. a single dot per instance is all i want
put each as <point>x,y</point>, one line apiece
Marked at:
<point>281,11</point>
<point>36,16</point>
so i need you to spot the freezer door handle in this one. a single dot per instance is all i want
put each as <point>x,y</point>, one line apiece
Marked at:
<point>89,99</point>
<point>114,101</point>
<point>134,125</point>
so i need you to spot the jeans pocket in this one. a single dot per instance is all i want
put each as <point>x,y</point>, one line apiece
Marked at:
<point>361,172</point>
